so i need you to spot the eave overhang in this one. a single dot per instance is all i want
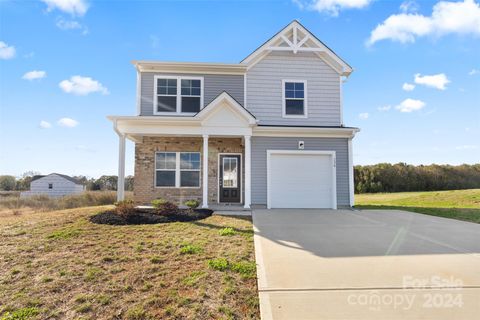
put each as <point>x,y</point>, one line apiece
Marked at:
<point>190,67</point>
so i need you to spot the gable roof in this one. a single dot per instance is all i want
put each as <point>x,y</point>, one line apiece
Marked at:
<point>296,38</point>
<point>226,97</point>
<point>293,37</point>
<point>58,174</point>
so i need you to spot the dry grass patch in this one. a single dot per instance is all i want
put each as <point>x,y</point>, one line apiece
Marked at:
<point>59,265</point>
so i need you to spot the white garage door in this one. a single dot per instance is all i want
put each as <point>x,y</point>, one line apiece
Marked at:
<point>301,179</point>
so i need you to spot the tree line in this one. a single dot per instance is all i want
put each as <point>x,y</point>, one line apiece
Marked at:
<point>105,182</point>
<point>400,177</point>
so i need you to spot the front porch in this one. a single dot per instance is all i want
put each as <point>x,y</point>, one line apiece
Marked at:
<point>206,157</point>
<point>211,177</point>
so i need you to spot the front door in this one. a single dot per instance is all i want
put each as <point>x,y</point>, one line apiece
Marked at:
<point>230,178</point>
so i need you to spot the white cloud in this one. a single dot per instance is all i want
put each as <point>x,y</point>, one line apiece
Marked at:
<point>409,105</point>
<point>409,6</point>
<point>473,72</point>
<point>437,81</point>
<point>408,86</point>
<point>6,51</point>
<point>332,7</point>
<point>447,17</point>
<point>67,122</point>
<point>467,147</point>
<point>68,24</point>
<point>82,86</point>
<point>363,116</point>
<point>384,108</point>
<point>35,74</point>
<point>45,125</point>
<point>71,25</point>
<point>73,7</point>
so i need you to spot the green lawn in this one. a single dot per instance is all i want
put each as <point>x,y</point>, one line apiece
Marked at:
<point>59,265</point>
<point>455,204</point>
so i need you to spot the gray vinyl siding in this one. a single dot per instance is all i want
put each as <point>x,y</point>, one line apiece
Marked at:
<point>214,84</point>
<point>264,89</point>
<point>260,145</point>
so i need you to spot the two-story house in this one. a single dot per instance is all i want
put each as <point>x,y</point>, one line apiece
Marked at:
<point>267,131</point>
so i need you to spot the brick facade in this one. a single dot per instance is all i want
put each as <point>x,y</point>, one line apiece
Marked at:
<point>144,186</point>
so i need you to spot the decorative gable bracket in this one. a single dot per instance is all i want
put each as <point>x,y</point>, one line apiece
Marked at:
<point>294,40</point>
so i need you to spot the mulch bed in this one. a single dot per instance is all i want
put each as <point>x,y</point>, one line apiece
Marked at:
<point>150,216</point>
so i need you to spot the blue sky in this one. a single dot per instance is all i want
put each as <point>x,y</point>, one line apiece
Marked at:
<point>52,121</point>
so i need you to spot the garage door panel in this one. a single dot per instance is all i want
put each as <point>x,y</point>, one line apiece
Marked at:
<point>300,180</point>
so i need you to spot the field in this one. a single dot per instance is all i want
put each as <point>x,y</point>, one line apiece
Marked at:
<point>10,201</point>
<point>59,265</point>
<point>456,204</point>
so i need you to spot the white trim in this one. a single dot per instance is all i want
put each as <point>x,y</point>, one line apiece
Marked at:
<point>305,104</point>
<point>315,46</point>
<point>341,100</point>
<point>248,171</point>
<point>177,170</point>
<point>139,94</point>
<point>225,97</point>
<point>178,94</point>
<point>304,132</point>
<point>245,91</point>
<point>190,67</point>
<point>351,181</point>
<point>205,172</point>
<point>304,152</point>
<point>218,175</point>
<point>121,168</point>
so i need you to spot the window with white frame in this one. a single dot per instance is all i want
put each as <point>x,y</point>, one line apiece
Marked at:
<point>177,169</point>
<point>294,101</point>
<point>178,95</point>
<point>191,94</point>
<point>165,169</point>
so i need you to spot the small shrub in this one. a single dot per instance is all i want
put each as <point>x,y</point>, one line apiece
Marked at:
<point>124,208</point>
<point>164,207</point>
<point>192,204</point>
<point>226,232</point>
<point>190,249</point>
<point>220,264</point>
<point>158,203</point>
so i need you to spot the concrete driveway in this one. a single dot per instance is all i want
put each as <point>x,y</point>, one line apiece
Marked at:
<point>325,264</point>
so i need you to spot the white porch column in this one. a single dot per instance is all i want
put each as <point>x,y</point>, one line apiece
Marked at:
<point>121,168</point>
<point>205,171</point>
<point>351,182</point>
<point>248,176</point>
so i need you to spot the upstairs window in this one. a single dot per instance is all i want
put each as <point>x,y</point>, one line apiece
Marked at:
<point>50,186</point>
<point>166,95</point>
<point>294,99</point>
<point>178,95</point>
<point>191,90</point>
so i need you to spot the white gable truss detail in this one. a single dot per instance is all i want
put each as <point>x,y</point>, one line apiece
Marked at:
<point>296,38</point>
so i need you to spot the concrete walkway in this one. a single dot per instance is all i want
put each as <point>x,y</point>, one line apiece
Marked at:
<point>325,264</point>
